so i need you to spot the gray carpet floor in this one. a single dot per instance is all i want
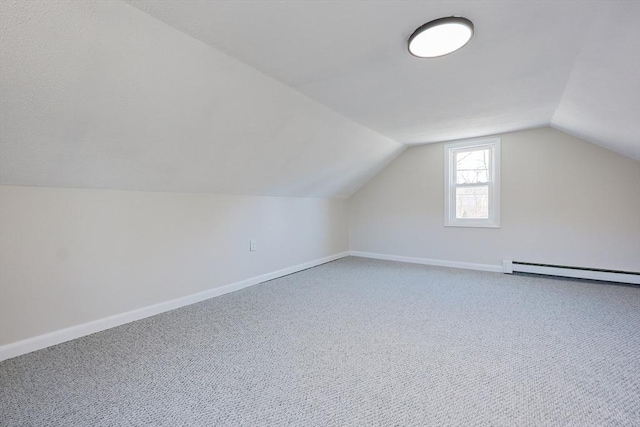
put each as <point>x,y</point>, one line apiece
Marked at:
<point>353,342</point>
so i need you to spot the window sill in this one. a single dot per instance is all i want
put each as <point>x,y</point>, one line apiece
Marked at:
<point>473,224</point>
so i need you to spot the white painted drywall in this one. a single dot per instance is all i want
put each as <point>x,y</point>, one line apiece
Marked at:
<point>601,100</point>
<point>564,201</point>
<point>512,75</point>
<point>98,94</point>
<point>70,256</point>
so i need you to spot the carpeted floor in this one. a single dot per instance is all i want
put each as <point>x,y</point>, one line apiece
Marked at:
<point>351,343</point>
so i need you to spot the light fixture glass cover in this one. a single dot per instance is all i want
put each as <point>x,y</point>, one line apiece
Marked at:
<point>440,37</point>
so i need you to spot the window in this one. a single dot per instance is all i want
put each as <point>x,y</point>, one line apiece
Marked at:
<point>472,183</point>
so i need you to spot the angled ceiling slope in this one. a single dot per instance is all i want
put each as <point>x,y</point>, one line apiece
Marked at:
<point>601,101</point>
<point>570,64</point>
<point>101,95</point>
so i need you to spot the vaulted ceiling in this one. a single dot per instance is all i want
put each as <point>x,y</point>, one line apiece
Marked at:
<point>571,64</point>
<point>294,98</point>
<point>98,94</point>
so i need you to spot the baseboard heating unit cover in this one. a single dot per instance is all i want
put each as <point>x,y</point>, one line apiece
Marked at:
<point>575,272</point>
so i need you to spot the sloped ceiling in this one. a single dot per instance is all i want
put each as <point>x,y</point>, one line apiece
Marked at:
<point>570,64</point>
<point>601,101</point>
<point>99,94</point>
<point>311,98</point>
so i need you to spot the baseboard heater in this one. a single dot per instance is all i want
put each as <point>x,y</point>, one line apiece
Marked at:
<point>575,272</point>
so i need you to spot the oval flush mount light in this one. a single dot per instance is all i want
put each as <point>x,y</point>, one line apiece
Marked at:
<point>440,37</point>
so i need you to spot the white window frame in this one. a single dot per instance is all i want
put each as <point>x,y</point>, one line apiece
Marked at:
<point>450,220</point>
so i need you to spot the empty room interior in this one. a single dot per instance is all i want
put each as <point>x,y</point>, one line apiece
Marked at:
<point>319,213</point>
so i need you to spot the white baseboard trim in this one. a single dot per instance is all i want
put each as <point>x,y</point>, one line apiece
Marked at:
<point>573,272</point>
<point>427,261</point>
<point>56,337</point>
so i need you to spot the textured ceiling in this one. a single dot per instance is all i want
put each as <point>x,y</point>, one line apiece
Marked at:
<point>311,98</point>
<point>99,94</point>
<point>571,64</point>
<point>601,101</point>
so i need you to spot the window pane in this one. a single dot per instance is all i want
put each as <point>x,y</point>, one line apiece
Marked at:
<point>472,202</point>
<point>478,176</point>
<point>472,166</point>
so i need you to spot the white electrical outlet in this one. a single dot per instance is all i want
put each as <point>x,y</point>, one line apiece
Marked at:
<point>252,246</point>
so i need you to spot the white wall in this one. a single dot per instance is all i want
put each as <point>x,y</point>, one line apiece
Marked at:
<point>70,256</point>
<point>564,201</point>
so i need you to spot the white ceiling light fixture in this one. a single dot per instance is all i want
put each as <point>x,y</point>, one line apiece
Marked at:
<point>440,37</point>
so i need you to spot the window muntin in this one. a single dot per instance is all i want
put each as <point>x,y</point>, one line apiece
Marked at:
<point>472,186</point>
